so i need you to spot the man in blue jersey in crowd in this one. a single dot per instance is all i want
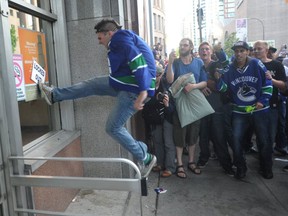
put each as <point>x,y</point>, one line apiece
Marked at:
<point>132,73</point>
<point>250,92</point>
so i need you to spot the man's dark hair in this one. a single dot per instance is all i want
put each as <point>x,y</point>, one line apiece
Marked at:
<point>106,25</point>
<point>189,40</point>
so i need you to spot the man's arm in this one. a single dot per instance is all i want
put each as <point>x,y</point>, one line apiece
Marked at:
<point>190,86</point>
<point>266,88</point>
<point>170,73</point>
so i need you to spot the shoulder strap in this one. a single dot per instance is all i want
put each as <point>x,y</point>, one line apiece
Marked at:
<point>176,65</point>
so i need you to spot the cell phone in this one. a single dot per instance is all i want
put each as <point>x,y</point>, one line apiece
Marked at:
<point>285,46</point>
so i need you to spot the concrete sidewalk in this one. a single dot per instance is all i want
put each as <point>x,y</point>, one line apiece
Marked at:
<point>210,194</point>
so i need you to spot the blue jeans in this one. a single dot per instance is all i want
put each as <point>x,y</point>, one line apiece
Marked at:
<point>241,123</point>
<point>95,86</point>
<point>121,112</point>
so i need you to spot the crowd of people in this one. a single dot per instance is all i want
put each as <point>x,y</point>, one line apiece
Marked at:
<point>239,93</point>
<point>243,91</point>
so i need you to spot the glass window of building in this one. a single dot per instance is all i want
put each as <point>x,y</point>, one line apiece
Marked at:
<point>30,39</point>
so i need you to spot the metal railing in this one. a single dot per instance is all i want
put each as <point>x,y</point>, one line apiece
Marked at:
<point>137,184</point>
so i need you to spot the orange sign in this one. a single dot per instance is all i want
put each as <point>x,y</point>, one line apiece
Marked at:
<point>33,47</point>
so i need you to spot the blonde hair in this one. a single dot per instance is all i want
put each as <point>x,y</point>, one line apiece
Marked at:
<point>205,43</point>
<point>262,42</point>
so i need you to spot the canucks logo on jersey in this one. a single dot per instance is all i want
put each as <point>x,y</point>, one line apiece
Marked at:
<point>246,93</point>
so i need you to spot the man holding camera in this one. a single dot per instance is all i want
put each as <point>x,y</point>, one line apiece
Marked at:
<point>158,117</point>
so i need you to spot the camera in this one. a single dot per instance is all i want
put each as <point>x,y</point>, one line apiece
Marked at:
<point>160,96</point>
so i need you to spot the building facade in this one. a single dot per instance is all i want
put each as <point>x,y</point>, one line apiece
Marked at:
<point>159,25</point>
<point>265,20</point>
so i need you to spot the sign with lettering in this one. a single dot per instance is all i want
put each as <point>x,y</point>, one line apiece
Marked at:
<point>19,77</point>
<point>38,73</point>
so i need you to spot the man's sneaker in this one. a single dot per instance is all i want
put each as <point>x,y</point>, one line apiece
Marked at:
<point>279,152</point>
<point>254,149</point>
<point>240,173</point>
<point>46,91</point>
<point>213,157</point>
<point>230,172</point>
<point>202,164</point>
<point>285,168</point>
<point>147,165</point>
<point>267,174</point>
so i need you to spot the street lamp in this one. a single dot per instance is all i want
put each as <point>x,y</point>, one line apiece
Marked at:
<point>263,29</point>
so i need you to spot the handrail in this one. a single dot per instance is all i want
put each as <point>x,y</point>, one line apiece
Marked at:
<point>117,184</point>
<point>110,160</point>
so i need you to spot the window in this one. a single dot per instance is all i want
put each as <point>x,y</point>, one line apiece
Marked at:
<point>30,36</point>
<point>155,21</point>
<point>159,23</point>
<point>32,40</point>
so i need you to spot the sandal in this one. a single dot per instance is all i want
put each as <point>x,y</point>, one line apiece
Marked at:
<point>181,172</point>
<point>166,173</point>
<point>194,168</point>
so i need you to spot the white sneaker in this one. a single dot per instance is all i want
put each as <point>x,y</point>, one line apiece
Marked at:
<point>147,165</point>
<point>46,91</point>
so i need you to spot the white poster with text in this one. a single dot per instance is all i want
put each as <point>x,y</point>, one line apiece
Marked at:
<point>19,77</point>
<point>38,73</point>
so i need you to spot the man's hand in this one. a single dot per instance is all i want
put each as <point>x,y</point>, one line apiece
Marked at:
<point>189,87</point>
<point>268,75</point>
<point>166,100</point>
<point>206,91</point>
<point>139,102</point>
<point>258,106</point>
<point>217,75</point>
<point>172,56</point>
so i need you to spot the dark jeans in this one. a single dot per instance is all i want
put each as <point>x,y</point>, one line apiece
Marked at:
<point>281,138</point>
<point>212,128</point>
<point>241,123</point>
<point>227,110</point>
<point>273,123</point>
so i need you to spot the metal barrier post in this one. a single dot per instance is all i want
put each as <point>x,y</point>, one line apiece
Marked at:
<point>138,184</point>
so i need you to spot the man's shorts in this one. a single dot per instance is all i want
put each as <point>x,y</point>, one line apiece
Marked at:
<point>187,135</point>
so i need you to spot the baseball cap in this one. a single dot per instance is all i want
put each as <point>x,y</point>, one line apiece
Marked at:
<point>272,49</point>
<point>242,44</point>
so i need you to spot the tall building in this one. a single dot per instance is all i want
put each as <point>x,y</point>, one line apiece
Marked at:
<point>264,20</point>
<point>211,12</point>
<point>159,24</point>
<point>229,8</point>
